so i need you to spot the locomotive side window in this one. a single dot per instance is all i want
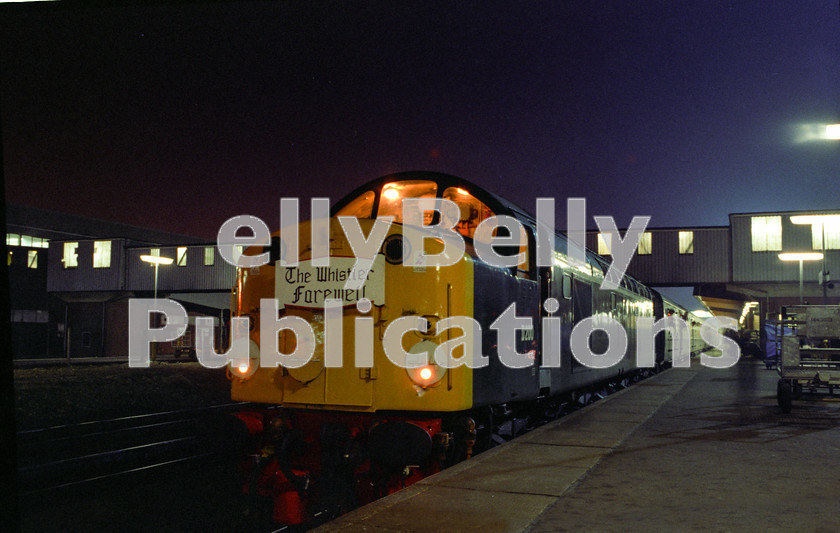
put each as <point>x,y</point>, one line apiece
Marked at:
<point>567,286</point>
<point>393,194</point>
<point>473,210</point>
<point>359,207</point>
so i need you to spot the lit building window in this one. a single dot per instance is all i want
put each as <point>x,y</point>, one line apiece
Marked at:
<point>766,233</point>
<point>36,316</point>
<point>646,244</point>
<point>32,259</point>
<point>604,241</point>
<point>209,255</point>
<point>102,254</point>
<point>686,242</point>
<point>14,239</point>
<point>832,235</point>
<point>182,256</point>
<point>155,252</point>
<point>71,257</point>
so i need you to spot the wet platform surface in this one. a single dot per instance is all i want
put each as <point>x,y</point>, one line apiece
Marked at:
<point>694,449</point>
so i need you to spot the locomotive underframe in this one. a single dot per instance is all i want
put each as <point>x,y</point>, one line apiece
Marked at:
<point>307,463</point>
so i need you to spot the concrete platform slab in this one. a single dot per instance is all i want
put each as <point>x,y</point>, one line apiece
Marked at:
<point>449,509</point>
<point>688,450</point>
<point>550,480</point>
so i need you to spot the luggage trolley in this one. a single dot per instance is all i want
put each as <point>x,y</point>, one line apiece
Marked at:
<point>809,358</point>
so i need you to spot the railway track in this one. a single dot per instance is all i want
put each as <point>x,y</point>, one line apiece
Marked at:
<point>70,457</point>
<point>167,471</point>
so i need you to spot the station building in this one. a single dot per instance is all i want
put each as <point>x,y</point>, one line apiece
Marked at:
<point>736,270</point>
<point>71,277</point>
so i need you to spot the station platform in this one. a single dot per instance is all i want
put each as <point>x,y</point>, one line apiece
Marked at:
<point>694,449</point>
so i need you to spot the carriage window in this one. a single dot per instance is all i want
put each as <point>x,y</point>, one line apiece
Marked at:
<point>567,286</point>
<point>473,210</point>
<point>360,207</point>
<point>390,201</point>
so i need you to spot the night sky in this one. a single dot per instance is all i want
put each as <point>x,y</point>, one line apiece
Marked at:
<point>179,117</point>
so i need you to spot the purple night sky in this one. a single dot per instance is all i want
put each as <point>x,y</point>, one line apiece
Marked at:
<point>179,117</point>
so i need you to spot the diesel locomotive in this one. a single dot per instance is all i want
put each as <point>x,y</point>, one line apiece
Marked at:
<point>333,436</point>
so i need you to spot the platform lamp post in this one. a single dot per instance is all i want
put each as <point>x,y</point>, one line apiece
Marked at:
<point>156,260</point>
<point>801,257</point>
<point>821,221</point>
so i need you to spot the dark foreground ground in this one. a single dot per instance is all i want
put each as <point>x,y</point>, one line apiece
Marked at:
<point>195,496</point>
<point>58,395</point>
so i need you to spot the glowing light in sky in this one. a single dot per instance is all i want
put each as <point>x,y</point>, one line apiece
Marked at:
<point>816,132</point>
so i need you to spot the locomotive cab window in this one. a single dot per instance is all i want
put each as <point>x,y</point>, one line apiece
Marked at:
<point>359,207</point>
<point>393,194</point>
<point>472,210</point>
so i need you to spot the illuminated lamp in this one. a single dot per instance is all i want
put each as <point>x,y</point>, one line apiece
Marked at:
<point>156,261</point>
<point>822,220</point>
<point>422,371</point>
<point>801,257</point>
<point>247,370</point>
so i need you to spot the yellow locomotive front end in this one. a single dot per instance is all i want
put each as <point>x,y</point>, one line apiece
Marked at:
<point>351,367</point>
<point>363,343</point>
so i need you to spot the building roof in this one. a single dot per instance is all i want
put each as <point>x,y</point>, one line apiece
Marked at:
<point>64,226</point>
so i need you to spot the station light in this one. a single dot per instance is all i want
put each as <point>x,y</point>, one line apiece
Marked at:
<point>816,132</point>
<point>748,306</point>
<point>821,221</point>
<point>801,256</point>
<point>156,259</point>
<point>815,219</point>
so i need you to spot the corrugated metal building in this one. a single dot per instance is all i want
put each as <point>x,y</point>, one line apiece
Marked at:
<point>71,278</point>
<point>729,267</point>
<point>679,256</point>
